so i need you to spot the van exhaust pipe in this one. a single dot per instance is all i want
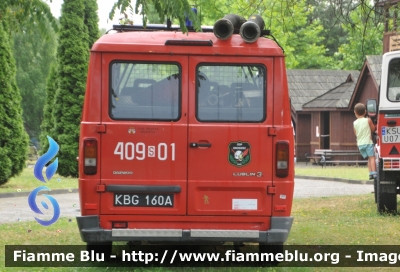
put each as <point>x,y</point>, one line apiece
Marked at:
<point>223,28</point>
<point>250,31</point>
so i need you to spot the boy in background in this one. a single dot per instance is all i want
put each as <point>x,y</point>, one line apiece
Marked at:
<point>363,127</point>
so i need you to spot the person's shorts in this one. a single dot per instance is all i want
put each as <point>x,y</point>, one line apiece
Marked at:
<point>367,150</point>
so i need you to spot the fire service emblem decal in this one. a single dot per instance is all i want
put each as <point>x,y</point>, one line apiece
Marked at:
<point>239,153</point>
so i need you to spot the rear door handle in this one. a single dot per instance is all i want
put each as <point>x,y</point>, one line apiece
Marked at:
<point>194,145</point>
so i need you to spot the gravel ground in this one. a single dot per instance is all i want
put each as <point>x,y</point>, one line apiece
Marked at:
<point>17,209</point>
<point>304,188</point>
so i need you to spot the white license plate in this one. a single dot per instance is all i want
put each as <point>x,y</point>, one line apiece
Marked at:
<point>390,134</point>
<point>144,200</point>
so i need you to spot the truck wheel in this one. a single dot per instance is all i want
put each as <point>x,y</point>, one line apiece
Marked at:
<point>100,248</point>
<point>386,197</point>
<point>270,248</point>
<point>375,188</point>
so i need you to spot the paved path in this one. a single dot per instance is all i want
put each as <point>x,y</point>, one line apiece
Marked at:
<point>17,209</point>
<point>304,188</point>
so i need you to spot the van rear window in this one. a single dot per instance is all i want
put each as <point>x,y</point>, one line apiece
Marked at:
<point>230,93</point>
<point>145,91</point>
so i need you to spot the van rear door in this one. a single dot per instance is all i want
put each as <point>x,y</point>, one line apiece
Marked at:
<point>144,140</point>
<point>230,157</point>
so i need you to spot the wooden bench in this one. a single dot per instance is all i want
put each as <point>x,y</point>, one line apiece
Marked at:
<point>331,154</point>
<point>318,156</point>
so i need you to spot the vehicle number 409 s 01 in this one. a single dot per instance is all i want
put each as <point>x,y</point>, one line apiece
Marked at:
<point>139,151</point>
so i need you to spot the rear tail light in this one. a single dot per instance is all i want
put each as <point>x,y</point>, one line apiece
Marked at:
<point>387,165</point>
<point>90,156</point>
<point>282,159</point>
<point>391,164</point>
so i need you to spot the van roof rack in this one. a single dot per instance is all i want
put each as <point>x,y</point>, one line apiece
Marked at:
<point>158,27</point>
<point>161,27</point>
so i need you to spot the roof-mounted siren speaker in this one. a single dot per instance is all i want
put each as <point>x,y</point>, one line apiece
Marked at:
<point>250,31</point>
<point>187,20</point>
<point>223,28</point>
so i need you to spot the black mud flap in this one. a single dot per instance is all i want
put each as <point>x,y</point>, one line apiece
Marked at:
<point>386,196</point>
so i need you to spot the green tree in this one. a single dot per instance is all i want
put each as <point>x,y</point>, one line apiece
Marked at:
<point>47,126</point>
<point>27,16</point>
<point>176,9</point>
<point>72,58</point>
<point>288,21</point>
<point>15,15</point>
<point>153,16</point>
<point>33,55</point>
<point>365,38</point>
<point>302,39</point>
<point>13,138</point>
<point>331,15</point>
<point>91,21</point>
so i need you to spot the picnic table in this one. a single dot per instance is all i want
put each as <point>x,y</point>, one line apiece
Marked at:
<point>333,154</point>
<point>329,156</point>
<point>319,154</point>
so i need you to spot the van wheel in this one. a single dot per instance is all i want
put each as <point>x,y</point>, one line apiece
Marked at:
<point>100,248</point>
<point>270,248</point>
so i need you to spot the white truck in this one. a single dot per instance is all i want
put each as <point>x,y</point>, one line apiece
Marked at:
<point>386,114</point>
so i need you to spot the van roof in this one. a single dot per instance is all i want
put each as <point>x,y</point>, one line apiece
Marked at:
<point>154,42</point>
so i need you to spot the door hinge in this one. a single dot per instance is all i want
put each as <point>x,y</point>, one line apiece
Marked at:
<point>271,131</point>
<point>101,128</point>
<point>271,190</point>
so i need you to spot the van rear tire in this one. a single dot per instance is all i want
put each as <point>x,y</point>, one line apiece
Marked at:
<point>270,248</point>
<point>102,248</point>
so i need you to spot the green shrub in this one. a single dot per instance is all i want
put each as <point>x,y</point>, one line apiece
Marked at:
<point>13,138</point>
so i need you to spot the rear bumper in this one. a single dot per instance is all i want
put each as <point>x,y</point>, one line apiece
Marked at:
<point>91,232</point>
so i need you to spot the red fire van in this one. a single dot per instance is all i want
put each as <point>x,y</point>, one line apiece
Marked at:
<point>186,138</point>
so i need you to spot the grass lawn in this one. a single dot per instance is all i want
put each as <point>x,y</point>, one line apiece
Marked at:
<point>347,220</point>
<point>26,182</point>
<point>350,220</point>
<point>345,172</point>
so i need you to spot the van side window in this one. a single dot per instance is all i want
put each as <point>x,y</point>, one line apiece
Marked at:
<point>145,91</point>
<point>230,93</point>
<point>393,91</point>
